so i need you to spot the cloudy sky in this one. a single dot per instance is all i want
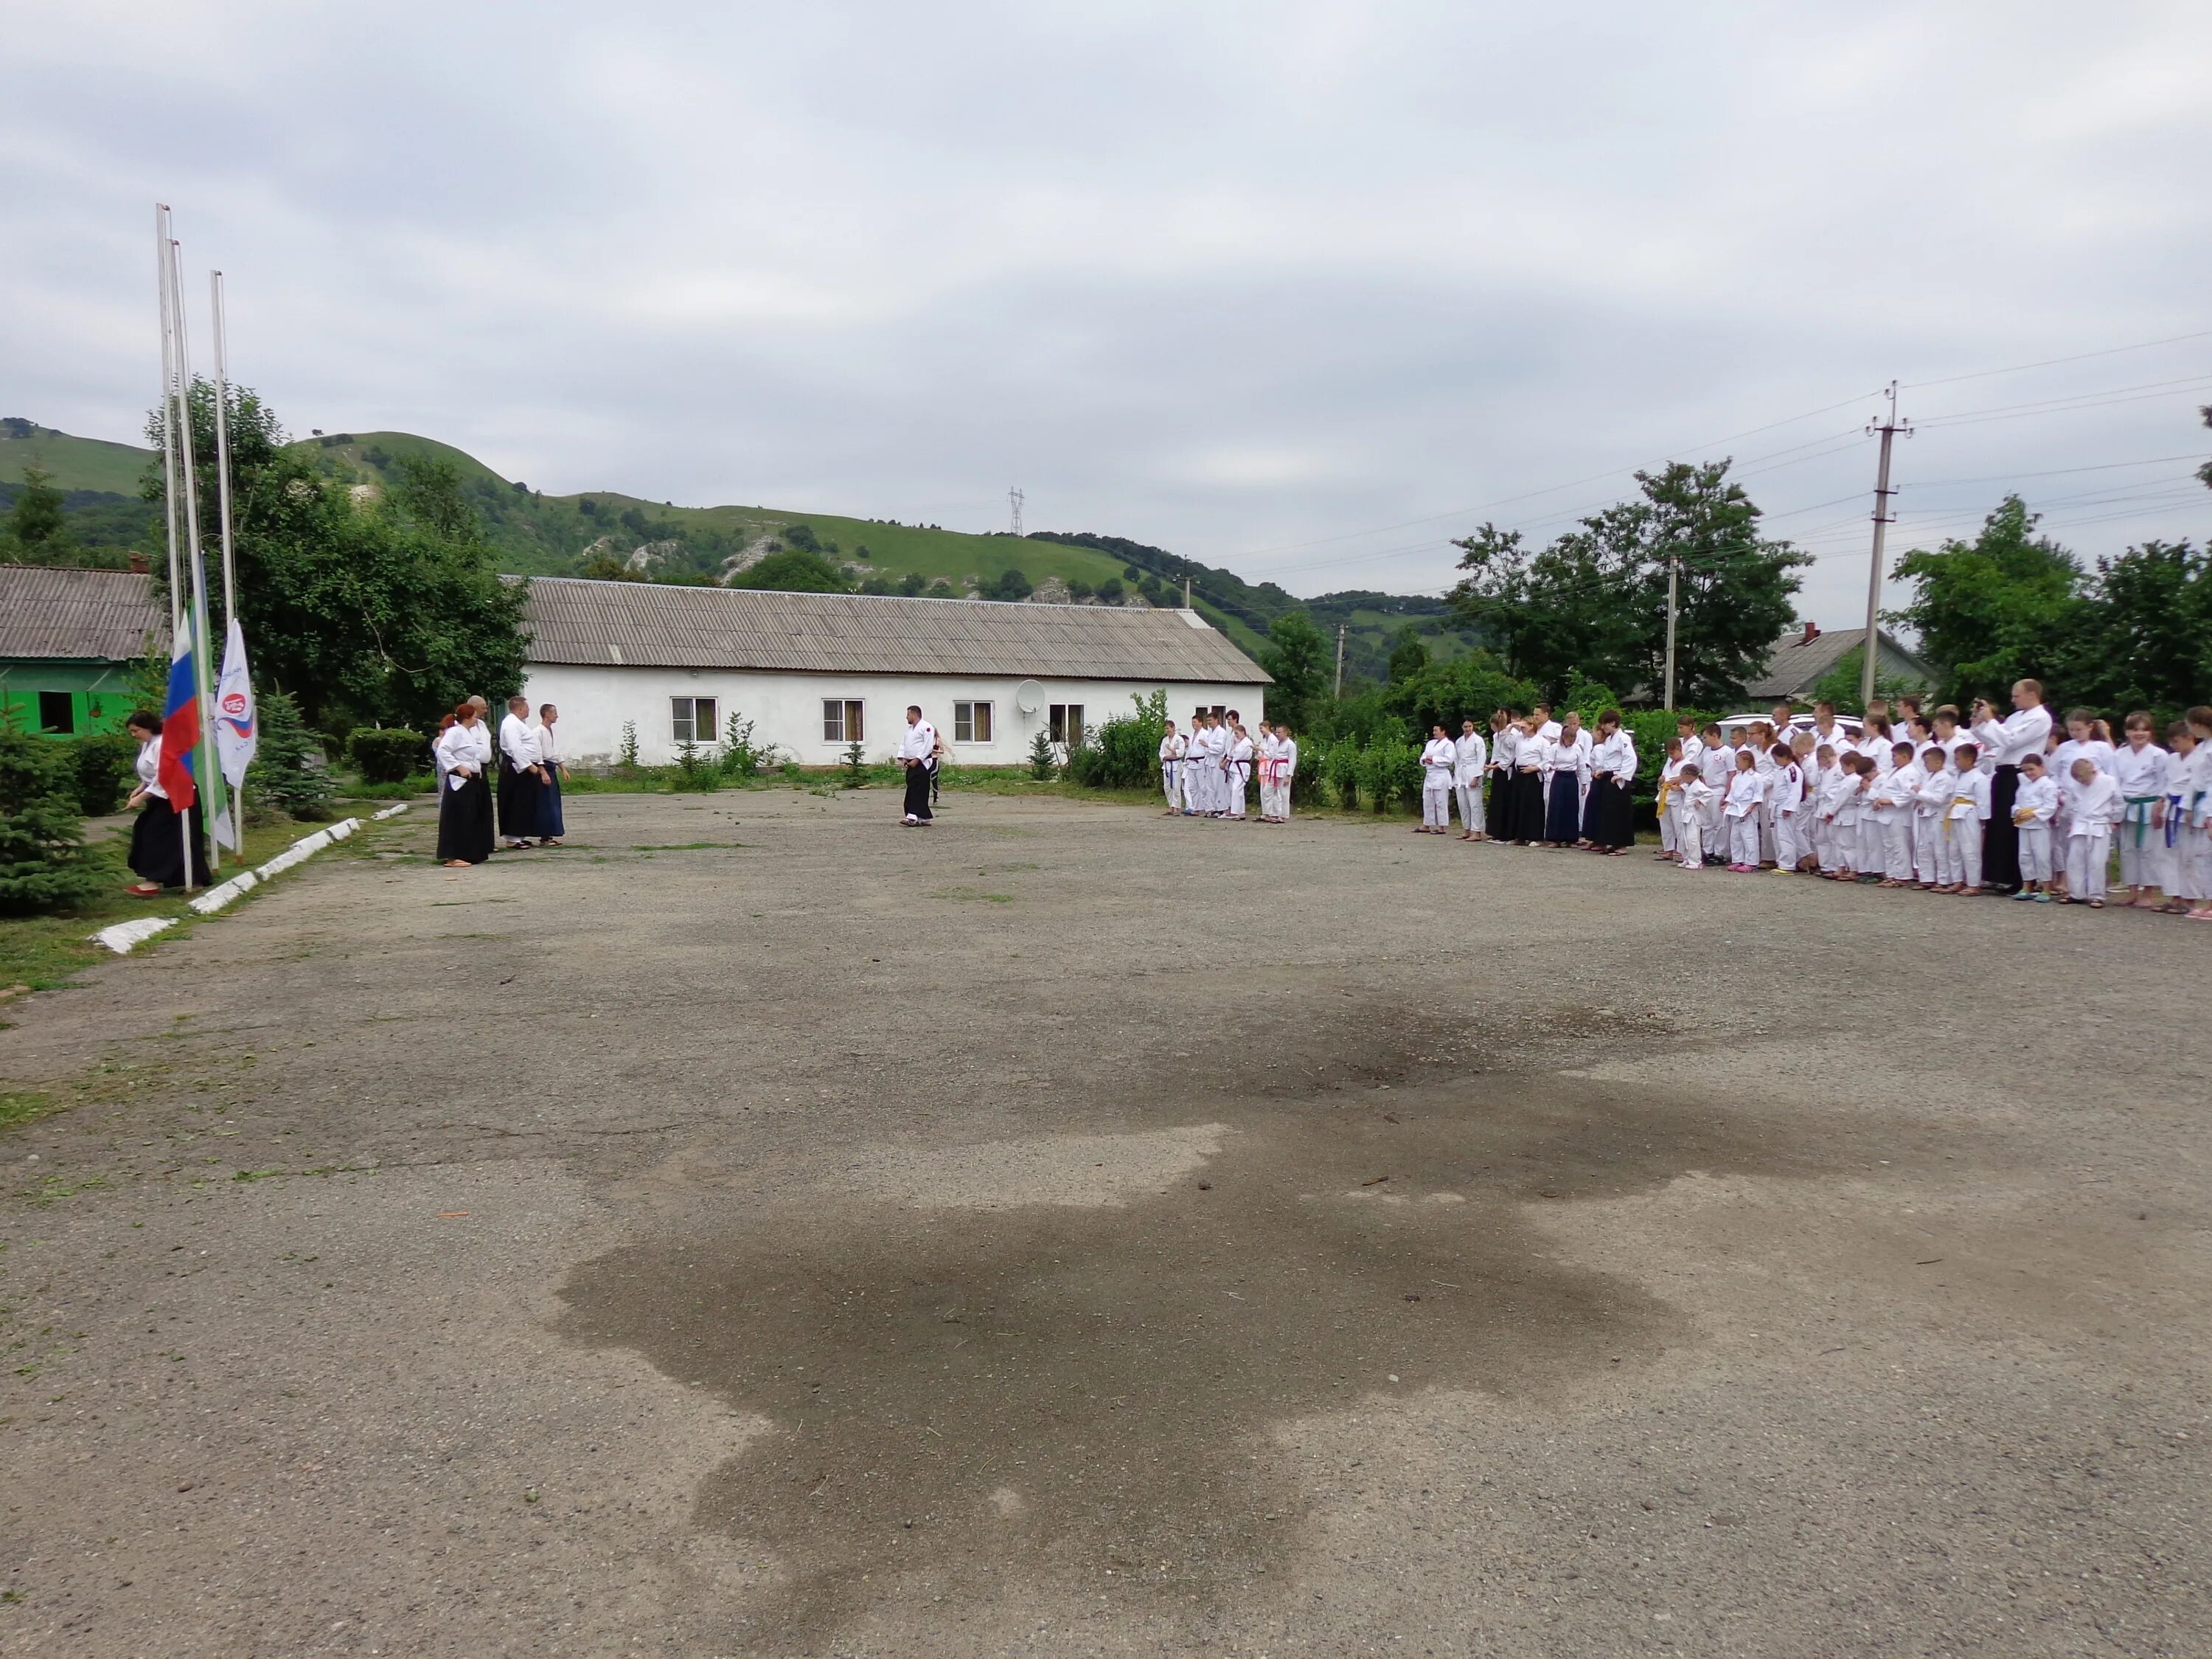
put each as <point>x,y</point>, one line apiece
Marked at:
<point>1305,289</point>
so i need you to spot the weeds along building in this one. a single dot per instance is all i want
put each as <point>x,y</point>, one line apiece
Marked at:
<point>818,672</point>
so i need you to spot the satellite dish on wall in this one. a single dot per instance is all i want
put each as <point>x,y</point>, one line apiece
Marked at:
<point>1029,697</point>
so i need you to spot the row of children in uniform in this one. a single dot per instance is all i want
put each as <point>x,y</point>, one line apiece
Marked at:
<point>1207,772</point>
<point>1918,810</point>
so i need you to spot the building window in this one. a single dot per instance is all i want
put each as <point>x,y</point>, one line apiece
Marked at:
<point>1068,723</point>
<point>971,722</point>
<point>691,719</point>
<point>840,722</point>
<point>56,713</point>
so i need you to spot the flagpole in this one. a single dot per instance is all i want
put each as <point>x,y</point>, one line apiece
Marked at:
<point>237,797</point>
<point>168,431</point>
<point>208,782</point>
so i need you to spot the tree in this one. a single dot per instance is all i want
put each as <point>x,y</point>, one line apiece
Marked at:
<point>1468,688</point>
<point>1408,656</point>
<point>2141,636</point>
<point>1995,610</point>
<point>1011,585</point>
<point>1594,602</point>
<point>36,531</point>
<point>1296,656</point>
<point>793,571</point>
<point>1840,684</point>
<point>42,859</point>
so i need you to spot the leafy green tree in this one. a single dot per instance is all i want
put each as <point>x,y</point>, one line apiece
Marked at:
<point>1594,602</point>
<point>36,531</point>
<point>1408,656</point>
<point>912,584</point>
<point>2143,637</point>
<point>793,571</point>
<point>1011,585</point>
<point>43,864</point>
<point>1110,590</point>
<point>1995,610</point>
<point>1468,688</point>
<point>802,536</point>
<point>1296,656</point>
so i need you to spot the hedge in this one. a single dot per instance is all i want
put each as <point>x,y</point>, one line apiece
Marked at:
<point>389,754</point>
<point>104,766</point>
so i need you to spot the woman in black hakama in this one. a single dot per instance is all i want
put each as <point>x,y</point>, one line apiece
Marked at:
<point>464,825</point>
<point>157,837</point>
<point>1526,800</point>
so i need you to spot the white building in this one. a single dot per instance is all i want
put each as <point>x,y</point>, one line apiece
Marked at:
<point>817,672</point>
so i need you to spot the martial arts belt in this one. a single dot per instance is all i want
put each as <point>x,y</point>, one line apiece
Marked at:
<point>2137,818</point>
<point>2173,817</point>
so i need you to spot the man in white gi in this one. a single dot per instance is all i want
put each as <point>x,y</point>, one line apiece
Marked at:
<point>1439,763</point>
<point>520,775</point>
<point>2006,743</point>
<point>1473,755</point>
<point>915,745</point>
<point>1172,748</point>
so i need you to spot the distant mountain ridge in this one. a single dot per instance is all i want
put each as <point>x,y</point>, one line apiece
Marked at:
<point>537,534</point>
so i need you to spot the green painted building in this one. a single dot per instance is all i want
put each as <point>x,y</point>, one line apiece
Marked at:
<point>69,641</point>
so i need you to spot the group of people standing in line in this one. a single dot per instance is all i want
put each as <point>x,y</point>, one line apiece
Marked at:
<point>1207,772</point>
<point>526,759</point>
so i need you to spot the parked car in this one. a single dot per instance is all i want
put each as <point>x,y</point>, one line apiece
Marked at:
<point>1734,725</point>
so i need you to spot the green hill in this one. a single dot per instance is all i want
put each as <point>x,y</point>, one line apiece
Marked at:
<point>537,534</point>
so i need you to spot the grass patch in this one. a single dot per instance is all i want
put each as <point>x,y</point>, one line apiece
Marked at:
<point>25,1106</point>
<point>682,845</point>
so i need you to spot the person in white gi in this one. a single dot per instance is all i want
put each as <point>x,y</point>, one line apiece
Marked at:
<point>1745,791</point>
<point>1691,796</point>
<point>1716,762</point>
<point>2094,804</point>
<point>520,775</point>
<point>1237,774</point>
<point>2002,744</point>
<point>2140,770</point>
<point>1197,767</point>
<point>2196,813</point>
<point>2033,807</point>
<point>1785,796</point>
<point>1280,765</point>
<point>1893,796</point>
<point>915,745</point>
<point>1172,769</point>
<point>1934,860</point>
<point>1439,764</point>
<point>1471,756</point>
<point>1963,822</point>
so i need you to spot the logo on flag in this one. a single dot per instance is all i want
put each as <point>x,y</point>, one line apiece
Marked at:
<point>180,733</point>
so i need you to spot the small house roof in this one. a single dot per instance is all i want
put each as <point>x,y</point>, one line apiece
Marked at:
<point>78,616</point>
<point>581,622</point>
<point>1797,662</point>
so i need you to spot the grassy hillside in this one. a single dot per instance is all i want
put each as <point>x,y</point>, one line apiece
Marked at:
<point>77,464</point>
<point>537,534</point>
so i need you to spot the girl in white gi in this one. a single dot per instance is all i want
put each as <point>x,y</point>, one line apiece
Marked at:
<point>1193,763</point>
<point>1691,796</point>
<point>2094,806</point>
<point>1237,774</point>
<point>2182,888</point>
<point>1826,730</point>
<point>1472,755</point>
<point>2032,809</point>
<point>2197,812</point>
<point>1439,764</point>
<point>1969,812</point>
<point>1172,769</point>
<point>1278,810</point>
<point>1505,736</point>
<point>1745,791</point>
<point>1938,783</point>
<point>1894,795</point>
<point>1785,794</point>
<point>1669,841</point>
<point>1531,754</point>
<point>2141,771</point>
<point>1839,817</point>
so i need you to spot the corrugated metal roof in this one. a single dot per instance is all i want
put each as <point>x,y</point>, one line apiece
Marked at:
<point>101,616</point>
<point>1797,662</point>
<point>659,625</point>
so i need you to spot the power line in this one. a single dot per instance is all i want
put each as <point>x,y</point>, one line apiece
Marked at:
<point>2052,472</point>
<point>2051,363</point>
<point>2079,400</point>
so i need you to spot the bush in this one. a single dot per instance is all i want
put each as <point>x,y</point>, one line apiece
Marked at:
<point>388,754</point>
<point>855,765</point>
<point>287,770</point>
<point>743,758</point>
<point>695,771</point>
<point>1042,765</point>
<point>1341,767</point>
<point>1125,752</point>
<point>105,768</point>
<point>43,864</point>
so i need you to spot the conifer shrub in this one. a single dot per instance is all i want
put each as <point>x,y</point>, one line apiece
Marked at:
<point>43,863</point>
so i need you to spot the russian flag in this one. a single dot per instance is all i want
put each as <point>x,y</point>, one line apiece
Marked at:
<point>180,733</point>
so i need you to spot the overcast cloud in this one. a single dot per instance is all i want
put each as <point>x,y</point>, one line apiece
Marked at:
<point>1253,283</point>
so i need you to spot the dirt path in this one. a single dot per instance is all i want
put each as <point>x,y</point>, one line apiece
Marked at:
<point>754,1229</point>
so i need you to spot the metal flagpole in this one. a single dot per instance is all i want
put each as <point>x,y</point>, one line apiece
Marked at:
<point>222,518</point>
<point>208,782</point>
<point>168,429</point>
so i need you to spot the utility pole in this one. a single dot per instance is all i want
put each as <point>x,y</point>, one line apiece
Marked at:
<point>1186,593</point>
<point>1674,581</point>
<point>1339,660</point>
<point>1014,496</point>
<point>1883,518</point>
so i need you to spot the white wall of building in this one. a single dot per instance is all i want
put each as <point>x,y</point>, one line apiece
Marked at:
<point>787,709</point>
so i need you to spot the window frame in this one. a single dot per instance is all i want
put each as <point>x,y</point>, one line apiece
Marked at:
<point>64,727</point>
<point>851,720</point>
<point>1057,723</point>
<point>685,727</point>
<point>964,712</point>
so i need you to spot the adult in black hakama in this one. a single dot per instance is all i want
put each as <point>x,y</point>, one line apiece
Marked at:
<point>158,832</point>
<point>1562,809</point>
<point>464,826</point>
<point>1607,821</point>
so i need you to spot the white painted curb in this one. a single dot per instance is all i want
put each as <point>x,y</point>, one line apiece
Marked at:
<point>125,936</point>
<point>392,812</point>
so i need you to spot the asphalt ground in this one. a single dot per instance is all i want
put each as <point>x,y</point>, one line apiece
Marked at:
<point>756,1229</point>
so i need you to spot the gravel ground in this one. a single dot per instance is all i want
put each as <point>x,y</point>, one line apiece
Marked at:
<point>754,1229</point>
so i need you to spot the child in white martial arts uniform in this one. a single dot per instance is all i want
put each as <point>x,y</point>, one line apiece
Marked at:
<point>1439,762</point>
<point>1846,805</point>
<point>1786,795</point>
<point>1745,791</point>
<point>1938,784</point>
<point>2141,770</point>
<point>2032,809</point>
<point>1669,766</point>
<point>1470,756</point>
<point>1172,748</point>
<point>2093,805</point>
<point>1692,795</point>
<point>1893,796</point>
<point>2184,891</point>
<point>1195,751</point>
<point>1238,774</point>
<point>2196,812</point>
<point>1819,827</point>
<point>1716,764</point>
<point>1962,823</point>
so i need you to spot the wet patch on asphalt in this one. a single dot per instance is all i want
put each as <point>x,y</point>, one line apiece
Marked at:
<point>964,1400</point>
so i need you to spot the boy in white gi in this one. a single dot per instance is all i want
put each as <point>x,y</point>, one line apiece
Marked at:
<point>1668,844</point>
<point>1471,754</point>
<point>1692,795</point>
<point>2093,805</point>
<point>2184,890</point>
<point>1716,764</point>
<point>1893,797</point>
<point>2032,809</point>
<point>1439,764</point>
<point>1236,775</point>
<point>1745,791</point>
<point>1172,769</point>
<point>1969,812</point>
<point>1286,768</point>
<point>2196,812</point>
<point>1785,794</point>
<point>1839,814</point>
<point>1938,784</point>
<point>2140,770</point>
<point>1194,764</point>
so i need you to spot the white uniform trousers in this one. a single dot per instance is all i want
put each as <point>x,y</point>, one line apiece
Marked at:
<point>1690,838</point>
<point>1667,821</point>
<point>1235,788</point>
<point>1470,807</point>
<point>1926,845</point>
<point>1171,782</point>
<point>1786,850</point>
<point>2143,862</point>
<point>2086,859</point>
<point>1874,850</point>
<point>1743,839</point>
<point>1436,805</point>
<point>2035,852</point>
<point>1896,849</point>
